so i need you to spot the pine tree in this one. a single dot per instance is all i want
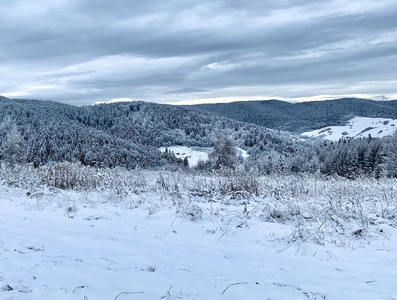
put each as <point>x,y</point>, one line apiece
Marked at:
<point>186,162</point>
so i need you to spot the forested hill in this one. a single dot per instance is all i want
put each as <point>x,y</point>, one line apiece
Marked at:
<point>304,116</point>
<point>128,135</point>
<point>123,134</point>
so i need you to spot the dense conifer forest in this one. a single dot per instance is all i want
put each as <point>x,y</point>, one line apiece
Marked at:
<point>129,134</point>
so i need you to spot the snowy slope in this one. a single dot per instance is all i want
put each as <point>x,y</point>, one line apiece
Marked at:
<point>90,245</point>
<point>194,154</point>
<point>355,128</point>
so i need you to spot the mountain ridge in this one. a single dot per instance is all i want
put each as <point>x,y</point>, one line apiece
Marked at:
<point>302,116</point>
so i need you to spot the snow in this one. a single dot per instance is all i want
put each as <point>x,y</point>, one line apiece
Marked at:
<point>195,154</point>
<point>242,153</point>
<point>356,128</point>
<point>60,244</point>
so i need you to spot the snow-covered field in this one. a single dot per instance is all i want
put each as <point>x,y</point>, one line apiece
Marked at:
<point>355,128</point>
<point>181,236</point>
<point>195,154</point>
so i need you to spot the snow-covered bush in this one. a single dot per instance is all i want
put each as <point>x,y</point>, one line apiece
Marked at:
<point>193,212</point>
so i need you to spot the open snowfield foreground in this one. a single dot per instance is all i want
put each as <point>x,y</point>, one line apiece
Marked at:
<point>179,236</point>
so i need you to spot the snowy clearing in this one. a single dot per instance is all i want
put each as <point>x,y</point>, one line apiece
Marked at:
<point>195,154</point>
<point>180,236</point>
<point>356,128</point>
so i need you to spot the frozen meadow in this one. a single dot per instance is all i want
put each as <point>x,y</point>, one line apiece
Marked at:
<point>69,232</point>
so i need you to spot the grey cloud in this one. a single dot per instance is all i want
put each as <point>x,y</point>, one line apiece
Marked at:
<point>186,90</point>
<point>221,45</point>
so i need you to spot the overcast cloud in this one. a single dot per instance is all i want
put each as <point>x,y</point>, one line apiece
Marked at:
<point>83,51</point>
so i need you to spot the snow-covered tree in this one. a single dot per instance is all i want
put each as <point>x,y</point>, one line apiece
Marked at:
<point>13,150</point>
<point>224,154</point>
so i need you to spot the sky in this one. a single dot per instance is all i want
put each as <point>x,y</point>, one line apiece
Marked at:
<point>84,52</point>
